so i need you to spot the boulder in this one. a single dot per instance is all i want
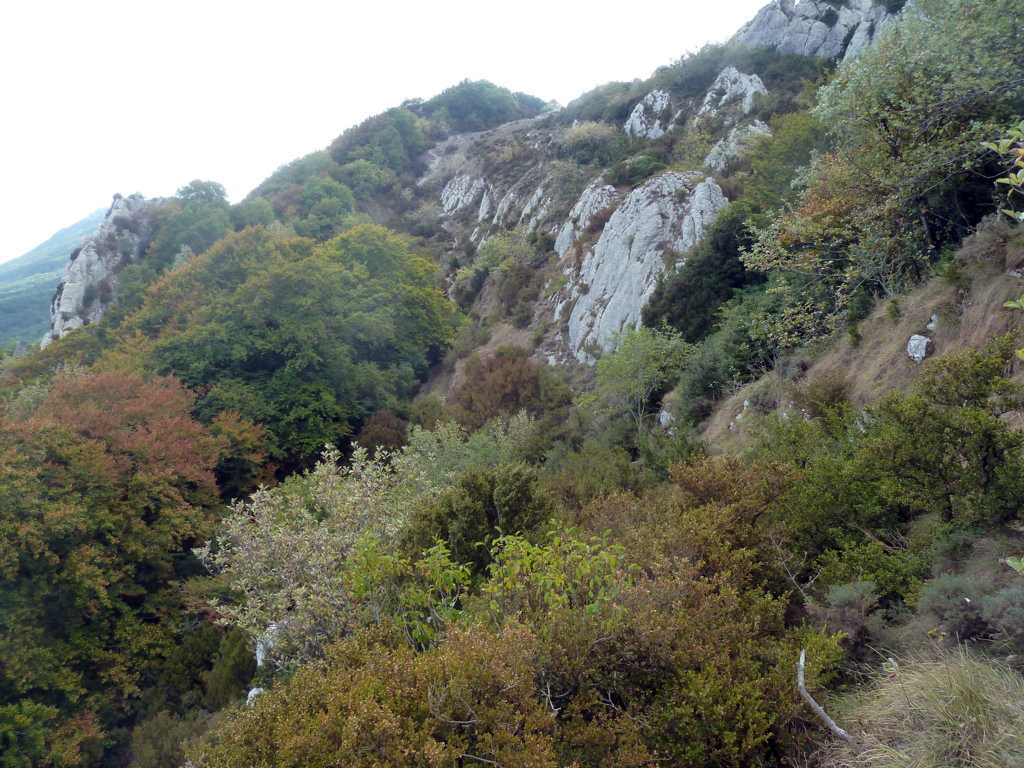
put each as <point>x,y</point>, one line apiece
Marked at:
<point>917,347</point>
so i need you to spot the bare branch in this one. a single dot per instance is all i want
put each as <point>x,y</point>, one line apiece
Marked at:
<point>818,709</point>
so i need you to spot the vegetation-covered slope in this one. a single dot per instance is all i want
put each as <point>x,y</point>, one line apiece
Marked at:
<point>524,554</point>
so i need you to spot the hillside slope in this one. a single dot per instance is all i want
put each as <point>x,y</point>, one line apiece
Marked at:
<point>954,315</point>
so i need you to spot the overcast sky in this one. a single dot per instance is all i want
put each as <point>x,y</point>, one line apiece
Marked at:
<point>104,96</point>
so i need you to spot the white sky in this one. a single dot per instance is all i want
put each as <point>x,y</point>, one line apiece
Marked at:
<point>105,96</point>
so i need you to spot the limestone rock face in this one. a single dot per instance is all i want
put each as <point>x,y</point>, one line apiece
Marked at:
<point>645,120</point>
<point>89,283</point>
<point>732,95</point>
<point>816,27</point>
<point>668,213</point>
<point>535,210</point>
<point>736,143</point>
<point>596,197</point>
<point>461,192</point>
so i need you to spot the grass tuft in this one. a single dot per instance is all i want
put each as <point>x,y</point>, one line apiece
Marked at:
<point>951,711</point>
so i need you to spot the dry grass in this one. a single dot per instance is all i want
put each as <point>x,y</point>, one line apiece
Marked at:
<point>879,363</point>
<point>954,710</point>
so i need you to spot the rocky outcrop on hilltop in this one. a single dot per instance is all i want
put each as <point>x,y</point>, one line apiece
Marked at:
<point>89,283</point>
<point>827,28</point>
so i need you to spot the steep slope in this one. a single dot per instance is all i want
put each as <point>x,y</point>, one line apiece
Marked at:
<point>942,315</point>
<point>562,225</point>
<point>28,281</point>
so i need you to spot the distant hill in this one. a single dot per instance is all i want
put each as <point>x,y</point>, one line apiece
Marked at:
<point>27,283</point>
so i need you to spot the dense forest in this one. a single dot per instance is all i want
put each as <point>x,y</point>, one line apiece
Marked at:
<point>327,484</point>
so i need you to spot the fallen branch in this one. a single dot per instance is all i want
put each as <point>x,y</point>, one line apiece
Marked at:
<point>818,709</point>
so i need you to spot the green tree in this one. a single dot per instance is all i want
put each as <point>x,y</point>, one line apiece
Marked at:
<point>645,362</point>
<point>104,487</point>
<point>306,341</point>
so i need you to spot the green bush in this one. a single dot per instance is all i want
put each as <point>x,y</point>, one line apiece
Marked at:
<point>595,469</point>
<point>847,608</point>
<point>1004,613</point>
<point>957,601</point>
<point>482,504</point>
<point>632,172</point>
<point>476,106</point>
<point>374,703</point>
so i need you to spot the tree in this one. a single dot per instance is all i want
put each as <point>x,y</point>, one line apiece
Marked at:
<point>104,487</point>
<point>306,340</point>
<point>644,362</point>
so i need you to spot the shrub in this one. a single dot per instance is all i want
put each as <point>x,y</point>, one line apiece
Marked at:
<point>483,504</point>
<point>383,431</point>
<point>594,470</point>
<point>974,473</point>
<point>632,172</point>
<point>846,608</point>
<point>591,141</point>
<point>162,740</point>
<point>820,396</point>
<point>895,573</point>
<point>505,383</point>
<point>1004,613</point>
<point>373,702</point>
<point>957,601</point>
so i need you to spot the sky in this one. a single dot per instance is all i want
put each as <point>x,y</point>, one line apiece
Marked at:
<point>107,96</point>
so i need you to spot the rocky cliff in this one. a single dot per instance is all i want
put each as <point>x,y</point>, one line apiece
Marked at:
<point>603,237</point>
<point>88,285</point>
<point>828,28</point>
<point>656,224</point>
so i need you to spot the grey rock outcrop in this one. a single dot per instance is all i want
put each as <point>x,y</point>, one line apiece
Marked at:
<point>596,197</point>
<point>89,283</point>
<point>645,119</point>
<point>535,210</point>
<point>461,192</point>
<point>917,347</point>
<point>731,96</point>
<point>668,213</point>
<point>816,27</point>
<point>736,143</point>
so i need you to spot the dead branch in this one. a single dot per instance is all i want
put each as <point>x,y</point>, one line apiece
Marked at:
<point>818,709</point>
